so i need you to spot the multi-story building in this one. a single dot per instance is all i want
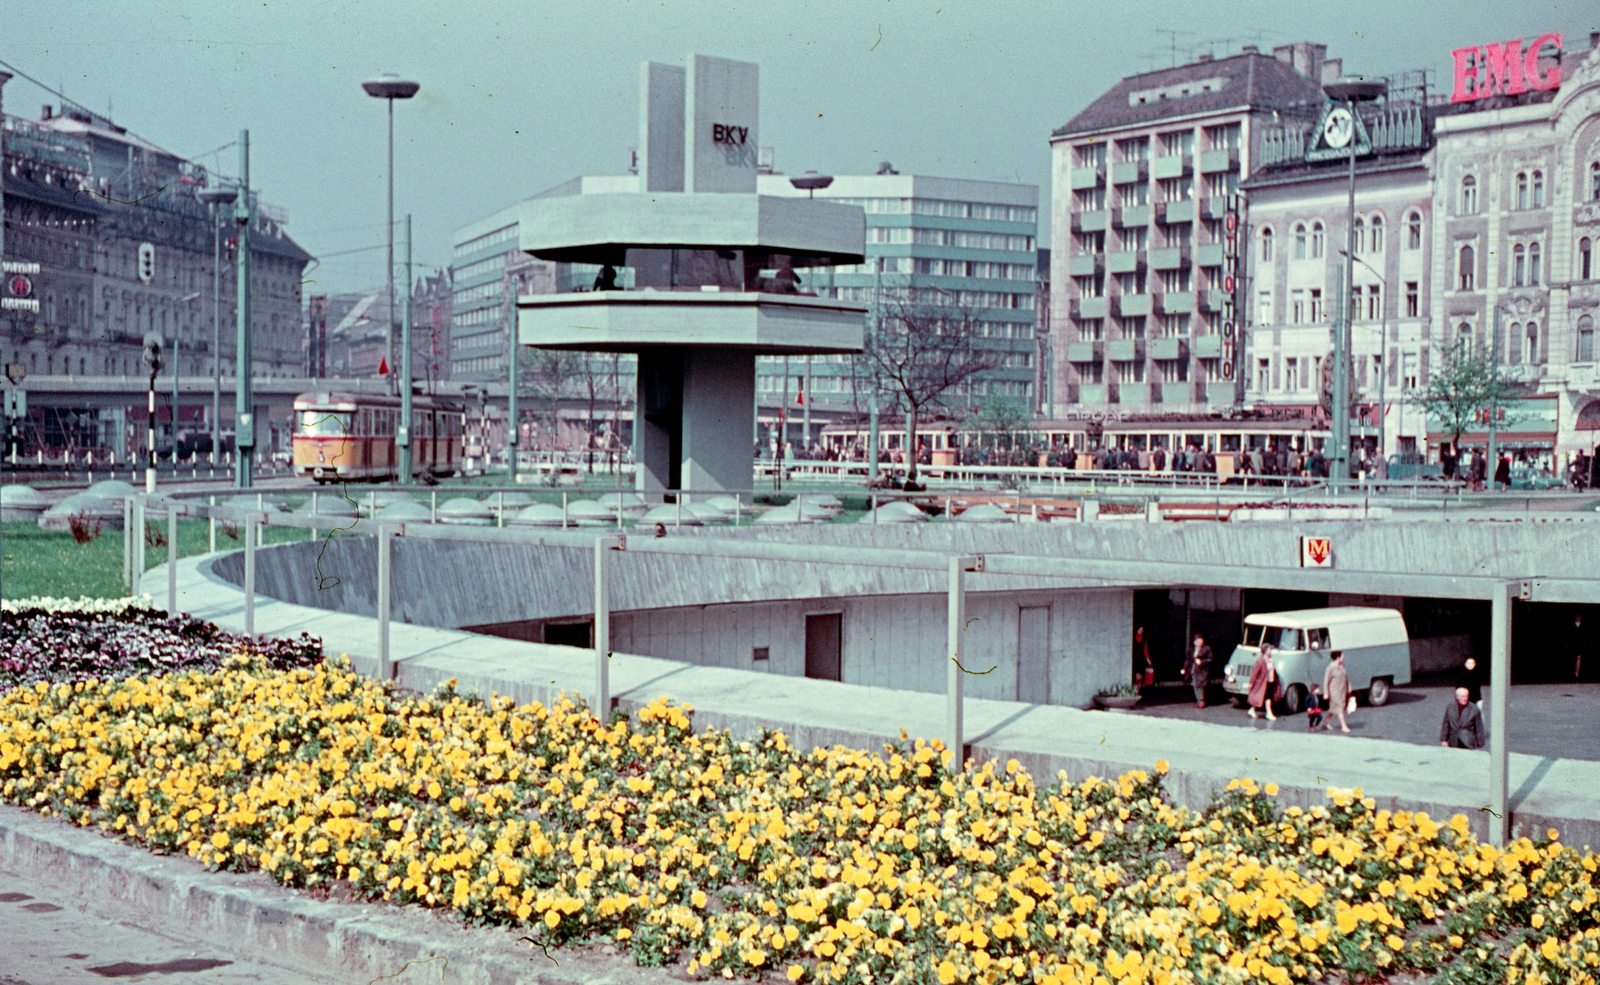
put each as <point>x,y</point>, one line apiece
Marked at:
<point>115,246</point>
<point>972,243</point>
<point>1141,182</point>
<point>1517,199</point>
<point>1294,256</point>
<point>432,308</point>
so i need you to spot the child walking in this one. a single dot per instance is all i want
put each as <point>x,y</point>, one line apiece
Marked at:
<point>1314,709</point>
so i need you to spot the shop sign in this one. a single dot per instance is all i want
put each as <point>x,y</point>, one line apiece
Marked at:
<point>1505,69</point>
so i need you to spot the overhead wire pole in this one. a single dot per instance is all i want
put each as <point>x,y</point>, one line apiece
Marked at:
<point>403,435</point>
<point>244,417</point>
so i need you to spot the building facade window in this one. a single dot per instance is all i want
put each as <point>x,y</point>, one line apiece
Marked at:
<point>1375,233</point>
<point>1300,241</point>
<point>1464,268</point>
<point>1264,308</point>
<point>1594,182</point>
<point>1522,190</point>
<point>1514,350</point>
<point>1533,343</point>
<point>1317,313</point>
<point>1585,352</point>
<point>1374,302</point>
<point>1266,244</point>
<point>1469,195</point>
<point>1263,374</point>
<point>1584,268</point>
<point>1316,240</point>
<point>1519,266</point>
<point>1538,189</point>
<point>1535,258</point>
<point>1092,156</point>
<point>1464,337</point>
<point>1360,236</point>
<point>1297,306</point>
<point>1414,232</point>
<point>1413,299</point>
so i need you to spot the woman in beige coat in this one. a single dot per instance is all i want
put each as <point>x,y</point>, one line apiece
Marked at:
<point>1336,688</point>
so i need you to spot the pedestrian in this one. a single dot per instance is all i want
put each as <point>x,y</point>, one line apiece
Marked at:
<point>1336,685</point>
<point>1463,724</point>
<point>1502,474</point>
<point>1314,708</point>
<point>1263,677</point>
<point>1578,646</point>
<point>1197,668</point>
<point>1141,657</point>
<point>1471,679</point>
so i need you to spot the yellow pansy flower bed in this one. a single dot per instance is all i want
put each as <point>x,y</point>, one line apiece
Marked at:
<point>743,858</point>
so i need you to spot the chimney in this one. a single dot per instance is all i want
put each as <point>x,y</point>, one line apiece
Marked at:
<point>1332,68</point>
<point>45,112</point>
<point>1250,49</point>
<point>1594,39</point>
<point>1284,53</point>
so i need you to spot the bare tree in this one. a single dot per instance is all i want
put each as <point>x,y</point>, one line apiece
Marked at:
<point>924,348</point>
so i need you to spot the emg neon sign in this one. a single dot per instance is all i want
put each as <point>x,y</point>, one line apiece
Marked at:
<point>1505,69</point>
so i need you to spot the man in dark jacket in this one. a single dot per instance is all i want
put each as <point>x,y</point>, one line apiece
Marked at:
<point>1197,668</point>
<point>1463,724</point>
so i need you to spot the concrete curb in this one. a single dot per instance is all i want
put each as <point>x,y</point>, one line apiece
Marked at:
<point>355,942</point>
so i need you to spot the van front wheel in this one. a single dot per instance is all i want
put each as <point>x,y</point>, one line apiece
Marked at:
<point>1378,692</point>
<point>1294,699</point>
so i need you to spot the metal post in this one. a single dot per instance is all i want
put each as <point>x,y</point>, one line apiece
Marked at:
<point>244,416</point>
<point>216,334</point>
<point>513,438</point>
<point>172,559</point>
<point>602,630</point>
<point>150,443</point>
<point>955,683</point>
<point>138,545</point>
<point>1499,699</point>
<point>177,346</point>
<point>433,507</point>
<point>249,577</point>
<point>388,298</point>
<point>500,514</point>
<point>1341,338</point>
<point>402,437</point>
<point>1493,462</point>
<point>212,540</point>
<point>385,668</point>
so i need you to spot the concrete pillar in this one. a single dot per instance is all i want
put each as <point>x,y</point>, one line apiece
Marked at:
<point>602,630</point>
<point>172,557</point>
<point>250,577</point>
<point>385,667</point>
<point>696,410</point>
<point>1499,698</point>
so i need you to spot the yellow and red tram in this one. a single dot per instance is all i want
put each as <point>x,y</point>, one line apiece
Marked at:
<point>348,436</point>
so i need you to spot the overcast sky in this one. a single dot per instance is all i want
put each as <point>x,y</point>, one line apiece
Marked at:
<point>517,97</point>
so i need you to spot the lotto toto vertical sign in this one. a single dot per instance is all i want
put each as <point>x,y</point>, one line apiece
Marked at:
<point>1233,299</point>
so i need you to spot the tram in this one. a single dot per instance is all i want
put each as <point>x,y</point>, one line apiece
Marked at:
<point>349,436</point>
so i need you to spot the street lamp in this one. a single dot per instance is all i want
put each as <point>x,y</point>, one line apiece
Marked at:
<point>1342,122</point>
<point>1383,349</point>
<point>391,87</point>
<point>214,197</point>
<point>811,181</point>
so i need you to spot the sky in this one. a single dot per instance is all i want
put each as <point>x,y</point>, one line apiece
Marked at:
<point>519,96</point>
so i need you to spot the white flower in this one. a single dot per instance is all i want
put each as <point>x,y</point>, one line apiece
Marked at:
<point>82,604</point>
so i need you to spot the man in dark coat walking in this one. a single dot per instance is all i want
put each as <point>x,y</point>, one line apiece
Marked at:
<point>1463,724</point>
<point>1197,668</point>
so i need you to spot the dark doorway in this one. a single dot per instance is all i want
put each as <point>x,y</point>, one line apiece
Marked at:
<point>823,638</point>
<point>1554,643</point>
<point>568,634</point>
<point>1033,654</point>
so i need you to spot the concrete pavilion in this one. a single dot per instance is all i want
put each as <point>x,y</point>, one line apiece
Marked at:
<point>705,275</point>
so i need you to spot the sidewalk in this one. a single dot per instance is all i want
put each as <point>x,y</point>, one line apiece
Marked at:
<point>1546,792</point>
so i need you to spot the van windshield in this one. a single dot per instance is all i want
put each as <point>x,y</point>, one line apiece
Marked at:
<point>1278,637</point>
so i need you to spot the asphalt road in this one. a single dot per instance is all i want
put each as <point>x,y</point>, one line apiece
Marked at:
<point>50,938</point>
<point>1554,720</point>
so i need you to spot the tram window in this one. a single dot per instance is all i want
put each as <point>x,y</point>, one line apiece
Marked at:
<point>323,423</point>
<point>1230,442</point>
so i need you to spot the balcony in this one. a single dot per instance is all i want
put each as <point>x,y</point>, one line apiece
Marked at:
<point>1213,300</point>
<point>1207,346</point>
<point>1133,305</point>
<point>1085,264</point>
<point>1128,172</point>
<point>1214,208</point>
<point>1170,258</point>
<point>1212,161</point>
<point>1093,394</point>
<point>1084,352</point>
<point>1209,255</point>
<point>1171,166</point>
<point>1134,394</point>
<point>1090,222</point>
<point>1169,348</point>
<point>1125,350</point>
<point>1131,216</point>
<point>1173,213</point>
<point>1085,178</point>
<point>1090,307</point>
<point>1177,302</point>
<point>1122,261</point>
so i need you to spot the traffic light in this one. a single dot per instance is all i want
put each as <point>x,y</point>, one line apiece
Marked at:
<point>147,262</point>
<point>152,353</point>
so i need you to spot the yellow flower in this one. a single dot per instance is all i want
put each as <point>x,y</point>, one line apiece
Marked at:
<point>220,839</point>
<point>795,972</point>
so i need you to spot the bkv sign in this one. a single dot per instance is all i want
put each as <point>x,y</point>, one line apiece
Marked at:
<point>1506,69</point>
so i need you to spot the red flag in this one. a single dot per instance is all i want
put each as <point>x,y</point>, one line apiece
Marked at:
<point>800,397</point>
<point>383,366</point>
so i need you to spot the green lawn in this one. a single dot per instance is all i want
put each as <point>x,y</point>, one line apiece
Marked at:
<point>39,562</point>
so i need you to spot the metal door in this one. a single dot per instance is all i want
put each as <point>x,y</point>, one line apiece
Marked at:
<point>1033,654</point>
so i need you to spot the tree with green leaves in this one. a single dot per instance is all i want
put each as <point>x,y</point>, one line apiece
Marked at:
<point>1002,417</point>
<point>1463,388</point>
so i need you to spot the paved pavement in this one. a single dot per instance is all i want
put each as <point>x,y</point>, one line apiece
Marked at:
<point>1548,720</point>
<point>51,936</point>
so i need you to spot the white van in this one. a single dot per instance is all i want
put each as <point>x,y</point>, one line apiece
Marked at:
<point>1377,653</point>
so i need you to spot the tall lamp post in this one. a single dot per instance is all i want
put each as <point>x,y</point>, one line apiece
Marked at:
<point>214,197</point>
<point>1383,349</point>
<point>390,87</point>
<point>1342,122</point>
<point>244,408</point>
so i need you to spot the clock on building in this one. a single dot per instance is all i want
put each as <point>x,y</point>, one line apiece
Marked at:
<point>1337,129</point>
<point>1338,132</point>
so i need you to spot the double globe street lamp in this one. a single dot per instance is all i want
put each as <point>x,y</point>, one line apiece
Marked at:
<point>391,87</point>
